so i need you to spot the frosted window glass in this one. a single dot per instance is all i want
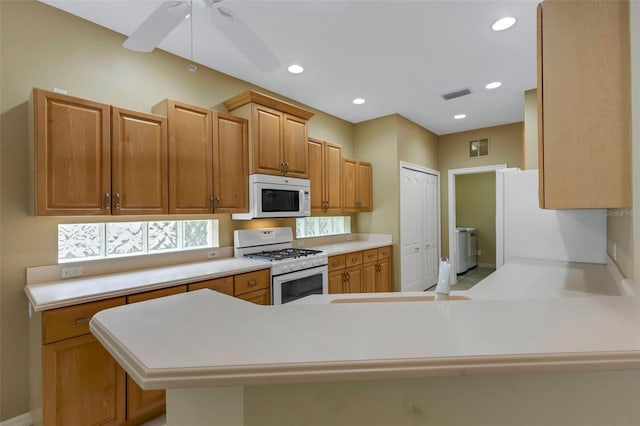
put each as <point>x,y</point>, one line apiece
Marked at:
<point>80,241</point>
<point>322,226</point>
<point>197,233</point>
<point>163,236</point>
<point>125,238</point>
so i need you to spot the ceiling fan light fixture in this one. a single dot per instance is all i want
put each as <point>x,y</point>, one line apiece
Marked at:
<point>493,85</point>
<point>295,69</point>
<point>503,23</point>
<point>359,101</point>
<point>459,116</point>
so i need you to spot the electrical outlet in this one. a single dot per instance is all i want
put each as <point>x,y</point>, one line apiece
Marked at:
<point>70,272</point>
<point>212,254</point>
<point>479,253</point>
<point>615,252</point>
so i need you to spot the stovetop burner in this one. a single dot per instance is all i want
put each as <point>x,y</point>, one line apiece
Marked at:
<point>287,253</point>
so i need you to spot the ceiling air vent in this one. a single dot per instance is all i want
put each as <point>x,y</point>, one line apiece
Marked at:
<point>457,94</point>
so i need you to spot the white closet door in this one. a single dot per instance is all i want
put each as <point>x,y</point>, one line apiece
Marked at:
<point>419,195</point>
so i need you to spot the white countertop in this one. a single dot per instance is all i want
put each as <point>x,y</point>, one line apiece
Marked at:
<point>205,338</point>
<point>61,293</point>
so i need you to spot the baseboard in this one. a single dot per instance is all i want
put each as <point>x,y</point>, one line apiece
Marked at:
<point>22,420</point>
<point>624,285</point>
<point>486,265</point>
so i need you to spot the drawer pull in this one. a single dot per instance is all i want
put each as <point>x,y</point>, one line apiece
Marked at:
<point>251,283</point>
<point>335,264</point>
<point>83,320</point>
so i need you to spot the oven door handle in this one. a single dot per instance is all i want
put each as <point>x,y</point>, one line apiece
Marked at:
<point>290,276</point>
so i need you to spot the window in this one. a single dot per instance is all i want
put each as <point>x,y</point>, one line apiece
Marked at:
<point>89,241</point>
<point>479,148</point>
<point>320,226</point>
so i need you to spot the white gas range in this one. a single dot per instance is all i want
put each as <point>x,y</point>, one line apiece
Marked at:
<point>295,272</point>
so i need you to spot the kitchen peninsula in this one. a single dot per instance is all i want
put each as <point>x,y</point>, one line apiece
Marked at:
<point>222,359</point>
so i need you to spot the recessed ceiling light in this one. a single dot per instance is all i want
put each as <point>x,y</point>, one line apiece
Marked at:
<point>295,69</point>
<point>493,85</point>
<point>459,116</point>
<point>358,101</point>
<point>503,23</point>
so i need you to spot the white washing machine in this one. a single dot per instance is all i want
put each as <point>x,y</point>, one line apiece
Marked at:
<point>462,249</point>
<point>472,245</point>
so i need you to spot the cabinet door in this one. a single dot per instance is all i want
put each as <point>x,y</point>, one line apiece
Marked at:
<point>383,276</point>
<point>333,177</point>
<point>294,147</point>
<point>363,190</point>
<point>231,164</point>
<point>190,159</point>
<point>353,284</point>
<point>316,174</point>
<point>349,171</point>
<point>336,281</point>
<point>140,176</point>
<point>72,155</point>
<point>266,140</point>
<point>141,402</point>
<point>251,281</point>
<point>259,297</point>
<point>585,100</point>
<point>82,384</point>
<point>369,277</point>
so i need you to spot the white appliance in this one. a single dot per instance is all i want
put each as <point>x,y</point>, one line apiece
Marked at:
<point>462,249</point>
<point>277,196</point>
<point>472,248</point>
<point>531,232</point>
<point>295,273</point>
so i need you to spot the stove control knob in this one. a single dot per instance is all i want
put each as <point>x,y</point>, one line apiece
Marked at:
<point>285,268</point>
<point>305,264</point>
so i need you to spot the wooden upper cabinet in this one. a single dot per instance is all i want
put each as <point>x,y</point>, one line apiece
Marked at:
<point>72,155</point>
<point>584,102</point>
<point>139,178</point>
<point>277,134</point>
<point>230,164</point>
<point>357,186</point>
<point>325,173</point>
<point>190,157</point>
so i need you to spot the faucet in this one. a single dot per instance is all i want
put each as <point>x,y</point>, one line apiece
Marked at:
<point>443,289</point>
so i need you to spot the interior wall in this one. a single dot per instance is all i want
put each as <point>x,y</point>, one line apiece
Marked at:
<point>45,47</point>
<point>476,208</point>
<point>505,147</point>
<point>530,151</point>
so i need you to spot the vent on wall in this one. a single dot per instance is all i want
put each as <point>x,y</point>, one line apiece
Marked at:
<point>479,148</point>
<point>456,94</point>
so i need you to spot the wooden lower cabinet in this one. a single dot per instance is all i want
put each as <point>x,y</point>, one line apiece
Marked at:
<point>259,297</point>
<point>367,271</point>
<point>82,384</point>
<point>253,286</point>
<point>223,285</point>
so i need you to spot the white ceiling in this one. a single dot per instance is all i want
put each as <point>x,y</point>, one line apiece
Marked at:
<point>398,55</point>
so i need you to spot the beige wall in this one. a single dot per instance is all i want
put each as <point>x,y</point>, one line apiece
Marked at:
<point>476,208</point>
<point>44,47</point>
<point>530,151</point>
<point>505,147</point>
<point>385,142</point>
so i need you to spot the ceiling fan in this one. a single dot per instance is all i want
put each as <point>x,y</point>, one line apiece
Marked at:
<point>170,13</point>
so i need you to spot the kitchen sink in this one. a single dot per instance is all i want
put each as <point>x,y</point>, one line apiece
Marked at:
<point>425,298</point>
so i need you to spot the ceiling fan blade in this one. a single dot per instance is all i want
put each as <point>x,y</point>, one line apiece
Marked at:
<point>157,26</point>
<point>244,39</point>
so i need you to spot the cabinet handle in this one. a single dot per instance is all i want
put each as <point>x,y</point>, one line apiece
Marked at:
<point>218,202</point>
<point>83,320</point>
<point>117,195</point>
<point>211,203</point>
<point>286,167</point>
<point>336,263</point>
<point>107,200</point>
<point>251,283</point>
<point>358,204</point>
<point>378,267</point>
<point>282,167</point>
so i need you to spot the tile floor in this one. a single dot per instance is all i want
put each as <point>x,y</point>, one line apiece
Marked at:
<point>472,277</point>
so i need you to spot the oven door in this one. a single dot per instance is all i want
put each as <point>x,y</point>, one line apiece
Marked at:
<point>295,285</point>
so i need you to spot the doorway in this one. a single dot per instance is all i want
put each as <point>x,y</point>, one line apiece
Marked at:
<point>458,257</point>
<point>419,226</point>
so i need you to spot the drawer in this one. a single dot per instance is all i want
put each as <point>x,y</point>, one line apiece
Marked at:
<point>384,252</point>
<point>222,285</point>
<point>337,262</point>
<point>354,259</point>
<point>370,255</point>
<point>154,294</point>
<point>251,281</point>
<point>259,297</point>
<point>72,321</point>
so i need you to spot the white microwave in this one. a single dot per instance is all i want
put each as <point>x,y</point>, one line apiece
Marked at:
<point>277,197</point>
